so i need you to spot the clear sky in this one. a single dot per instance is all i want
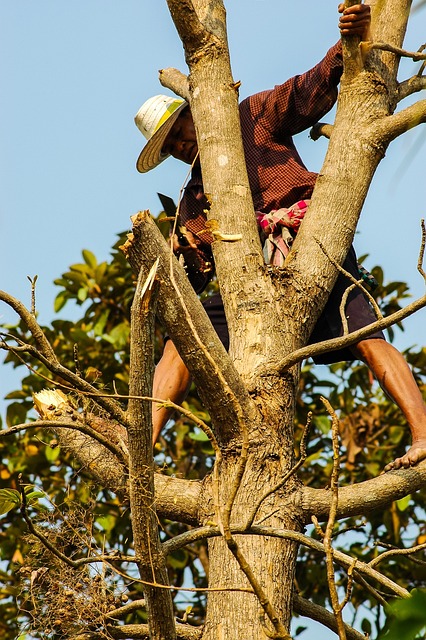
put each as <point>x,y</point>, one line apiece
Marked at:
<point>73,74</point>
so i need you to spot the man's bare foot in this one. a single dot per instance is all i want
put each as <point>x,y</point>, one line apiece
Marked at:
<point>415,454</point>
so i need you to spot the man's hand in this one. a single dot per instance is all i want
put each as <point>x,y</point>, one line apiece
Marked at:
<point>355,21</point>
<point>187,246</point>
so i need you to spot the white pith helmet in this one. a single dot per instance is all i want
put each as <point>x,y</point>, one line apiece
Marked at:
<point>154,119</point>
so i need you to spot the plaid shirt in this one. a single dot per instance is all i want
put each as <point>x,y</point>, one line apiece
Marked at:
<point>278,178</point>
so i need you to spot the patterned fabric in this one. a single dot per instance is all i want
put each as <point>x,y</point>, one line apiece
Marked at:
<point>278,178</point>
<point>275,235</point>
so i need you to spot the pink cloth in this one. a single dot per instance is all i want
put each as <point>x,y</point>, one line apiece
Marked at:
<point>275,225</point>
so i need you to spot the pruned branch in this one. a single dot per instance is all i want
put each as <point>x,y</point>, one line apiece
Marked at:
<point>150,558</point>
<point>416,56</point>
<point>352,58</point>
<point>176,81</point>
<point>389,128</point>
<point>219,384</point>
<point>412,85</point>
<point>320,129</point>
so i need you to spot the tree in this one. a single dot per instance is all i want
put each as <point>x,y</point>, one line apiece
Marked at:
<point>254,477</point>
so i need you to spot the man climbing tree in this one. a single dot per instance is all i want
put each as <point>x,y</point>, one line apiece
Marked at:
<point>281,187</point>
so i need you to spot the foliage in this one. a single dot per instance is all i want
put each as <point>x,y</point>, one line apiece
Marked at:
<point>79,516</point>
<point>406,618</point>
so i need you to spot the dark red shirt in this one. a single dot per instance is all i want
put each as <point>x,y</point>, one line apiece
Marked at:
<point>278,178</point>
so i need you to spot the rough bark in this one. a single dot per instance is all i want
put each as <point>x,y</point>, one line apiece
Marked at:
<point>147,546</point>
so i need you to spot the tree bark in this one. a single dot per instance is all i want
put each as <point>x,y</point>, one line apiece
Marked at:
<point>149,556</point>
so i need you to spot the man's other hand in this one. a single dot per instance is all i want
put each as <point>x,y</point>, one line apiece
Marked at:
<point>355,20</point>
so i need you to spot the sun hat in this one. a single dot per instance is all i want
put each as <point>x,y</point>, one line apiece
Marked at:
<point>154,119</point>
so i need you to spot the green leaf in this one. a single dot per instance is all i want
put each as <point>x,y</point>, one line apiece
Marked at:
<point>118,336</point>
<point>16,413</point>
<point>198,435</point>
<point>106,522</point>
<point>407,617</point>
<point>9,499</point>
<point>89,258</point>
<point>35,495</point>
<point>60,301</point>
<point>16,395</point>
<point>99,327</point>
<point>52,454</point>
<point>82,294</point>
<point>322,423</point>
<point>403,503</point>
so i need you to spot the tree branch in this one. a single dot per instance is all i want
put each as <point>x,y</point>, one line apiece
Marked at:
<point>325,346</point>
<point>150,558</point>
<point>141,632</point>
<point>180,310</point>
<point>343,559</point>
<point>387,129</point>
<point>352,59</point>
<point>364,497</point>
<point>78,383</point>
<point>59,424</point>
<point>176,81</point>
<point>416,56</point>
<point>411,85</point>
<point>41,341</point>
<point>314,611</point>
<point>397,552</point>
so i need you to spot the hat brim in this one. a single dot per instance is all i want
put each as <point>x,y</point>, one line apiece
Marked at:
<point>151,155</point>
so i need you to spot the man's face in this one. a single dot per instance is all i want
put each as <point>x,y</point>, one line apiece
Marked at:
<point>181,142</point>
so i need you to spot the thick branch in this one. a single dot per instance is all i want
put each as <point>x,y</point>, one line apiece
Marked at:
<point>186,21</point>
<point>151,563</point>
<point>180,310</point>
<point>141,632</point>
<point>67,423</point>
<point>176,499</point>
<point>198,28</point>
<point>389,128</point>
<point>352,60</point>
<point>364,497</point>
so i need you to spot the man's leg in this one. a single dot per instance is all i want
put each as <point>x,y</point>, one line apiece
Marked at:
<point>171,382</point>
<point>394,376</point>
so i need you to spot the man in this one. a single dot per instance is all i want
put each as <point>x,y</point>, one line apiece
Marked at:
<point>281,187</point>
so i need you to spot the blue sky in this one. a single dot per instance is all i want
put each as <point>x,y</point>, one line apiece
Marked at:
<point>73,74</point>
